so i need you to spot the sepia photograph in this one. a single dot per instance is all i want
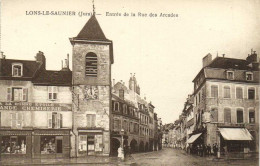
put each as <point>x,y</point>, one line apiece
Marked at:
<point>129,83</point>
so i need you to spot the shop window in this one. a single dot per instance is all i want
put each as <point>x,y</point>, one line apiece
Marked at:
<point>226,92</point>
<point>249,76</point>
<point>17,94</point>
<point>91,120</point>
<point>48,144</point>
<point>239,93</point>
<point>17,120</point>
<point>91,145</point>
<point>240,116</point>
<point>251,116</point>
<point>251,93</point>
<point>55,120</point>
<point>91,65</point>
<point>82,144</point>
<point>13,145</point>
<point>230,75</point>
<point>214,91</point>
<point>17,70</point>
<point>52,92</point>
<point>227,115</point>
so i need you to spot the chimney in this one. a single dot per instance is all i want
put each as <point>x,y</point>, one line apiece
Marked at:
<point>61,64</point>
<point>253,57</point>
<point>207,60</point>
<point>113,83</point>
<point>2,56</point>
<point>68,61</point>
<point>41,59</point>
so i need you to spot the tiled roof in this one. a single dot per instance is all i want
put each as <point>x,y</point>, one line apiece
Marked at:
<point>92,31</point>
<point>32,71</point>
<point>229,63</point>
<point>29,68</point>
<point>48,77</point>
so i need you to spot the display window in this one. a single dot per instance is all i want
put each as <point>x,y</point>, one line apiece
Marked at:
<point>13,145</point>
<point>48,145</point>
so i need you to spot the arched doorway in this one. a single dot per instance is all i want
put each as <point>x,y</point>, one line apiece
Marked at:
<point>146,147</point>
<point>141,146</point>
<point>133,145</point>
<point>115,144</point>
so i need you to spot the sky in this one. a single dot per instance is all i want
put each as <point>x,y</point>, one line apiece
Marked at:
<point>165,53</point>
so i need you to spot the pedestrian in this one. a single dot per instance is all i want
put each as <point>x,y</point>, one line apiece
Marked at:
<point>204,150</point>
<point>201,150</point>
<point>198,150</point>
<point>214,149</point>
<point>209,150</point>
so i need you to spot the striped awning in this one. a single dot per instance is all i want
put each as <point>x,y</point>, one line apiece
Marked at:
<point>239,134</point>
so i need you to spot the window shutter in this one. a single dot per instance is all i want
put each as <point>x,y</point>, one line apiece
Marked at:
<point>25,94</point>
<point>49,117</point>
<point>13,120</point>
<point>58,120</point>
<point>61,121</point>
<point>9,94</point>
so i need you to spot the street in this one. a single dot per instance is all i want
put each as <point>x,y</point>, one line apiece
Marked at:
<point>169,156</point>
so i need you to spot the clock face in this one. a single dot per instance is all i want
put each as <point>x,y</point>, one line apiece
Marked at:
<point>91,92</point>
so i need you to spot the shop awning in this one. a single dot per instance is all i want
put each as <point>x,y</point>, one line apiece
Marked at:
<point>193,138</point>
<point>240,134</point>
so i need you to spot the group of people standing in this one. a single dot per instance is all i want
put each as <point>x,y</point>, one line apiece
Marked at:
<point>203,149</point>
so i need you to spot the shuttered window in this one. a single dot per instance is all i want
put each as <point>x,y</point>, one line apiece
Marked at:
<point>214,115</point>
<point>91,120</point>
<point>240,118</point>
<point>227,115</point>
<point>251,93</point>
<point>251,116</point>
<point>226,92</point>
<point>54,120</point>
<point>214,91</point>
<point>239,93</point>
<point>17,120</point>
<point>91,65</point>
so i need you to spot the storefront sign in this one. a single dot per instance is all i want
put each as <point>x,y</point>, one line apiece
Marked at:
<point>26,106</point>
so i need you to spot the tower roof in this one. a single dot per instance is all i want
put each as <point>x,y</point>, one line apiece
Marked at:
<point>92,30</point>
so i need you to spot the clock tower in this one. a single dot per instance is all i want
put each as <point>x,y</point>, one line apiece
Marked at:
<point>91,87</point>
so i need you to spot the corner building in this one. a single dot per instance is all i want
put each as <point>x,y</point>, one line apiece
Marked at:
<point>91,91</point>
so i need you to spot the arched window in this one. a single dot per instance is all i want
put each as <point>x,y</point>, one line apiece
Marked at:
<point>91,65</point>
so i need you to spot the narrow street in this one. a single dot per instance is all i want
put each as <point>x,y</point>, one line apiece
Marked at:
<point>177,157</point>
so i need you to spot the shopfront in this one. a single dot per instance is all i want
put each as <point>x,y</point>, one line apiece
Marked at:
<point>51,143</point>
<point>91,142</point>
<point>234,140</point>
<point>15,143</point>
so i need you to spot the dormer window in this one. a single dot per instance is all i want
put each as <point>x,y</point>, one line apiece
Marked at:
<point>17,70</point>
<point>230,75</point>
<point>249,76</point>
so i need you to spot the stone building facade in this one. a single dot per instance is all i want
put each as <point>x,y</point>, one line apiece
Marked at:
<point>35,109</point>
<point>226,105</point>
<point>91,87</point>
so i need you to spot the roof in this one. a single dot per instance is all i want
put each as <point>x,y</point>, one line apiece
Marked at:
<point>92,31</point>
<point>48,77</point>
<point>29,69</point>
<point>229,63</point>
<point>241,134</point>
<point>33,71</point>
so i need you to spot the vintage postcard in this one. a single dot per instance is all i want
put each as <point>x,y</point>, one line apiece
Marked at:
<point>172,82</point>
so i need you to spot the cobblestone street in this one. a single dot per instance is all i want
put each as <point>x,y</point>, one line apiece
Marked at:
<point>165,157</point>
<point>176,157</point>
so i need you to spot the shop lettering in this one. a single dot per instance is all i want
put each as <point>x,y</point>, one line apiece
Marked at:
<point>25,106</point>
